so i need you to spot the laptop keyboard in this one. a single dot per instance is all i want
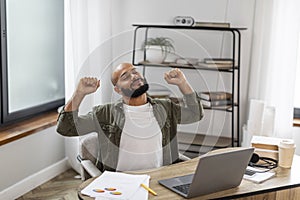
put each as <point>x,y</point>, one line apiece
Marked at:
<point>183,188</point>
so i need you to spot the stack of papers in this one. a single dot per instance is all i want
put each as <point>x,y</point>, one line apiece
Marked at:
<point>260,176</point>
<point>115,185</point>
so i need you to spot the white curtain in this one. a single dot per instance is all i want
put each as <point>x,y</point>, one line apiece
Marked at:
<point>87,53</point>
<point>274,59</point>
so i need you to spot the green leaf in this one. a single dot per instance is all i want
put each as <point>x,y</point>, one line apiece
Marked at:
<point>165,43</point>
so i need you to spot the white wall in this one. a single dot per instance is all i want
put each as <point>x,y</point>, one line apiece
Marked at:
<point>30,161</point>
<point>38,157</point>
<point>238,13</point>
<point>31,155</point>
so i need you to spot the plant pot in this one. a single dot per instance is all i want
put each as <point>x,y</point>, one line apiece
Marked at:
<point>154,54</point>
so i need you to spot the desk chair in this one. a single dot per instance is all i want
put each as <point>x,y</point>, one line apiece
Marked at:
<point>87,157</point>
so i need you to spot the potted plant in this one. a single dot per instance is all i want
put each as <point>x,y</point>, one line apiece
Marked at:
<point>157,49</point>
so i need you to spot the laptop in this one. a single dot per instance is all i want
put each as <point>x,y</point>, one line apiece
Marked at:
<point>215,172</point>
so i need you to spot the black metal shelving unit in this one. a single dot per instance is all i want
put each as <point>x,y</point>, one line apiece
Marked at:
<point>234,70</point>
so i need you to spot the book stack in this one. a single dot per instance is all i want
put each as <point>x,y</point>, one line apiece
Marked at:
<point>216,99</point>
<point>266,146</point>
<point>220,63</point>
<point>228,61</point>
<point>212,24</point>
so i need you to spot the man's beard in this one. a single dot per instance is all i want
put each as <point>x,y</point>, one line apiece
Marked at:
<point>137,92</point>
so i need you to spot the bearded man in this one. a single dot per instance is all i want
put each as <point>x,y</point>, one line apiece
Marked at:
<point>136,132</point>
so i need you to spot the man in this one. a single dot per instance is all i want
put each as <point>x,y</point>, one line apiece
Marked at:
<point>136,132</point>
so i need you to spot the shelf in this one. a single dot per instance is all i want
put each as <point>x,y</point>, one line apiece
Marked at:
<point>203,140</point>
<point>190,27</point>
<point>227,108</point>
<point>191,154</point>
<point>233,69</point>
<point>184,66</point>
<point>193,145</point>
<point>195,148</point>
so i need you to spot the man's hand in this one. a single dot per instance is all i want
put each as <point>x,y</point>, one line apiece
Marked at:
<point>176,77</point>
<point>85,86</point>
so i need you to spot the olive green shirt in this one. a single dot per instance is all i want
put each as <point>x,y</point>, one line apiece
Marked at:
<point>108,121</point>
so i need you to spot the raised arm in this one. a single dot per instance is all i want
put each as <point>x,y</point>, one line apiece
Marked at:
<point>176,77</point>
<point>69,123</point>
<point>85,86</point>
<point>192,111</point>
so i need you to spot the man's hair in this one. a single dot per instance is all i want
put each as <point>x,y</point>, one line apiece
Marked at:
<point>114,81</point>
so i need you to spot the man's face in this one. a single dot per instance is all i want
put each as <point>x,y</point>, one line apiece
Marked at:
<point>131,83</point>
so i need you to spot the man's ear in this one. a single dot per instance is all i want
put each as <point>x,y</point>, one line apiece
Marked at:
<point>117,90</point>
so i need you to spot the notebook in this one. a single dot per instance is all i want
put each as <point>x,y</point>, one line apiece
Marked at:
<point>215,172</point>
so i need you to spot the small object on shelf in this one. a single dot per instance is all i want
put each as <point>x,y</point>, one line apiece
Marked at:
<point>184,20</point>
<point>158,48</point>
<point>221,108</point>
<point>218,61</point>
<point>214,65</point>
<point>165,43</point>
<point>187,61</point>
<point>215,95</point>
<point>216,103</point>
<point>212,24</point>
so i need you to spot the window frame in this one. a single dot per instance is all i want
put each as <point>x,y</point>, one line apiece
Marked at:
<point>7,118</point>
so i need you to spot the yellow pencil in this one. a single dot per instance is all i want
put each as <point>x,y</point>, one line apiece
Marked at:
<point>149,189</point>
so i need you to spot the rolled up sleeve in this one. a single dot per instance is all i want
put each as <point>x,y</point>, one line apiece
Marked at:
<point>192,110</point>
<point>70,124</point>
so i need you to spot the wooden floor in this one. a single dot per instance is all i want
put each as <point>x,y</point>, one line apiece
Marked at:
<point>62,187</point>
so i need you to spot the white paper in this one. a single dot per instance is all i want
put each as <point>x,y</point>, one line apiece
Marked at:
<point>141,194</point>
<point>259,177</point>
<point>127,184</point>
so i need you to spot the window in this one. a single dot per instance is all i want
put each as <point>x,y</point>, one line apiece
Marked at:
<point>32,58</point>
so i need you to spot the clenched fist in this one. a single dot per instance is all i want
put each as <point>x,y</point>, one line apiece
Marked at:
<point>175,77</point>
<point>87,85</point>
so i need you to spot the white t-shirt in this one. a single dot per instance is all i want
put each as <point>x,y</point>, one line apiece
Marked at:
<point>141,140</point>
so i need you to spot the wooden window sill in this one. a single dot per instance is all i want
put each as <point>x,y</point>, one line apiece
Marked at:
<point>22,129</point>
<point>297,122</point>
